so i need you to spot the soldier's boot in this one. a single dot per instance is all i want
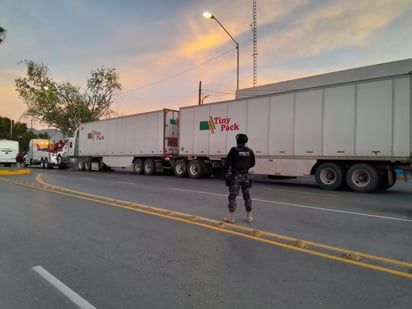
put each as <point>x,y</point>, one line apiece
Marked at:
<point>230,218</point>
<point>249,217</point>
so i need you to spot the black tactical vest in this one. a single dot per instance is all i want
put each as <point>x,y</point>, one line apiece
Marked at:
<point>243,158</point>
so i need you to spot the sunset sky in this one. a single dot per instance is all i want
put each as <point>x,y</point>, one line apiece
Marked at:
<point>163,48</point>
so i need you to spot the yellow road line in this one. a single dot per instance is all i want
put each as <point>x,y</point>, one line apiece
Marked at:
<point>234,229</point>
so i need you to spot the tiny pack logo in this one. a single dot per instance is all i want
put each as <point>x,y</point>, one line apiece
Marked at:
<point>218,123</point>
<point>95,136</point>
<point>208,125</point>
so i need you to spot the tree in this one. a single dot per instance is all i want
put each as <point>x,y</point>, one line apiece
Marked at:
<point>17,131</point>
<point>3,33</point>
<point>64,106</point>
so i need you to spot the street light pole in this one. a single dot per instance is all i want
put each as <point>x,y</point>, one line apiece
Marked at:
<point>210,16</point>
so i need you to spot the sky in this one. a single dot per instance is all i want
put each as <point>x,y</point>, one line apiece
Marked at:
<point>162,49</point>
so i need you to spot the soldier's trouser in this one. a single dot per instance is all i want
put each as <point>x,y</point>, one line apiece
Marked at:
<point>240,181</point>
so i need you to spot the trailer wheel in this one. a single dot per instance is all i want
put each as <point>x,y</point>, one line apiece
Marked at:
<point>80,165</point>
<point>149,167</point>
<point>138,166</point>
<point>88,165</point>
<point>330,176</point>
<point>179,168</point>
<point>195,169</point>
<point>363,178</point>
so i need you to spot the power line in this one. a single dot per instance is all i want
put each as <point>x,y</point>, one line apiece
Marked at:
<point>223,92</point>
<point>180,73</point>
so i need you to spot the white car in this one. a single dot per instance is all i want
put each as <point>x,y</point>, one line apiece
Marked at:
<point>9,151</point>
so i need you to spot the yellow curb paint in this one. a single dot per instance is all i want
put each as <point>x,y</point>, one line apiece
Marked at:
<point>17,172</point>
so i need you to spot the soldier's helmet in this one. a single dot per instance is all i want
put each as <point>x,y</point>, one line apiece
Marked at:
<point>241,139</point>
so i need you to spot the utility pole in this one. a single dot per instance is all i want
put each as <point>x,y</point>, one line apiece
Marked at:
<point>200,92</point>
<point>255,53</point>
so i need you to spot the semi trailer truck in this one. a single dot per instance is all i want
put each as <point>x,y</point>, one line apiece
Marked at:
<point>349,128</point>
<point>145,142</point>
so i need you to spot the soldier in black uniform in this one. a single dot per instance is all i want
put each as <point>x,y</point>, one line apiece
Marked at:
<point>237,164</point>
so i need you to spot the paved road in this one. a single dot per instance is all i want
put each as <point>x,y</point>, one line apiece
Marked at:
<point>130,251</point>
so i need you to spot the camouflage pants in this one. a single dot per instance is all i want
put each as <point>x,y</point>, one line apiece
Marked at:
<point>240,181</point>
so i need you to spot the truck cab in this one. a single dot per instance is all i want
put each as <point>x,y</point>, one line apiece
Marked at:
<point>38,153</point>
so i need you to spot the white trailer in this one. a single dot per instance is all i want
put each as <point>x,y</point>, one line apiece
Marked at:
<point>349,128</point>
<point>9,151</point>
<point>146,143</point>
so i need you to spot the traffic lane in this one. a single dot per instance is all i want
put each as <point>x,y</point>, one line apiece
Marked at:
<point>395,201</point>
<point>19,286</point>
<point>312,220</point>
<point>315,221</point>
<point>392,203</point>
<point>120,258</point>
<point>381,220</point>
<point>323,217</point>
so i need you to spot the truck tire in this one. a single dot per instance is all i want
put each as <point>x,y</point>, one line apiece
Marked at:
<point>42,163</point>
<point>195,169</point>
<point>363,178</point>
<point>46,164</point>
<point>330,176</point>
<point>88,165</point>
<point>179,168</point>
<point>60,162</point>
<point>149,167</point>
<point>138,166</point>
<point>80,165</point>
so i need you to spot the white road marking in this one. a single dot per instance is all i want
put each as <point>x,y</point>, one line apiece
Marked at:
<point>126,183</point>
<point>64,289</point>
<point>201,192</point>
<point>334,210</point>
<point>304,206</point>
<point>308,193</point>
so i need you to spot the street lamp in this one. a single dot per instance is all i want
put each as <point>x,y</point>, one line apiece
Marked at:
<point>210,16</point>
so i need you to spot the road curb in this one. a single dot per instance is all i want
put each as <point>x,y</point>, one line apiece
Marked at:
<point>15,172</point>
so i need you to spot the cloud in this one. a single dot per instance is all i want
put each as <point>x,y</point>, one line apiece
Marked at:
<point>162,49</point>
<point>326,29</point>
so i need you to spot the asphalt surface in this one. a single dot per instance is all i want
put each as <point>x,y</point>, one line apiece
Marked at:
<point>138,249</point>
